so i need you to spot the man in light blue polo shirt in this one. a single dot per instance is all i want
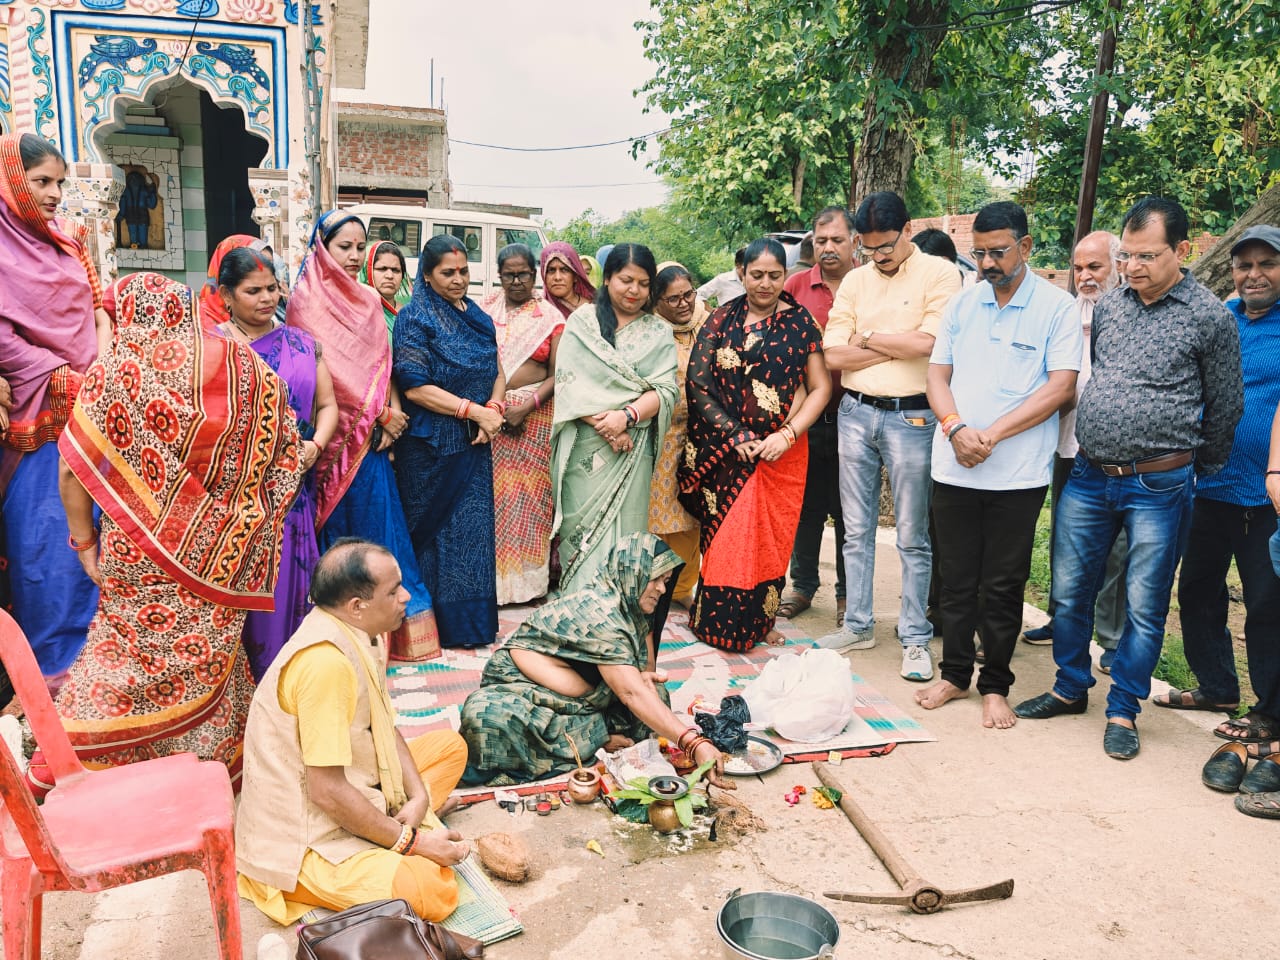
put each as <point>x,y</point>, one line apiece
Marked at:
<point>1005,361</point>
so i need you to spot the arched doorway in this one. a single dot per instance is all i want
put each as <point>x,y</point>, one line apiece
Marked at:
<point>185,160</point>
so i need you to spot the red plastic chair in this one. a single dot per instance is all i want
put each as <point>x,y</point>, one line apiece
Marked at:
<point>104,829</point>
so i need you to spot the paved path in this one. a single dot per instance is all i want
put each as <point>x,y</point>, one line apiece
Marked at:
<point>1111,859</point>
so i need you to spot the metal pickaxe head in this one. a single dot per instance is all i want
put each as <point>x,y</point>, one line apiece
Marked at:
<point>924,898</point>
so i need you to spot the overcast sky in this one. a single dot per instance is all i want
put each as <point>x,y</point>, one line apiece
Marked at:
<point>525,74</point>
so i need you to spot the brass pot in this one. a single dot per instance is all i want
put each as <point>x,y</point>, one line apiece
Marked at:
<point>584,785</point>
<point>663,816</point>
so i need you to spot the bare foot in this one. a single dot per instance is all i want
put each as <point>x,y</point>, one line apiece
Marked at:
<point>451,803</point>
<point>939,693</point>
<point>996,712</point>
<point>774,638</point>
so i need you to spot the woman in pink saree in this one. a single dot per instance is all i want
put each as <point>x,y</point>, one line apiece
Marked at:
<point>356,493</point>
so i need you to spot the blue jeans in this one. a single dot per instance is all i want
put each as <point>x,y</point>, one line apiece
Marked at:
<point>870,437</point>
<point>1154,510</point>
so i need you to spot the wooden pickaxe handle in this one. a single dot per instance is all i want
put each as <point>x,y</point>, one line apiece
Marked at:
<point>920,896</point>
<point>893,861</point>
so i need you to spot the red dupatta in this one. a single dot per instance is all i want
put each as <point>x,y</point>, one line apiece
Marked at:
<point>48,291</point>
<point>346,319</point>
<point>212,310</point>
<point>188,444</point>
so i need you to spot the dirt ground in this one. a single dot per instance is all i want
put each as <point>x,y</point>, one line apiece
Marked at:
<point>1110,859</point>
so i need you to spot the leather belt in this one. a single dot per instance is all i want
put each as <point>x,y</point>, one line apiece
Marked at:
<point>917,401</point>
<point>1161,461</point>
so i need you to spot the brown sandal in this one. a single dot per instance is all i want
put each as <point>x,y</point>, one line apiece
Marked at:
<point>794,604</point>
<point>1192,700</point>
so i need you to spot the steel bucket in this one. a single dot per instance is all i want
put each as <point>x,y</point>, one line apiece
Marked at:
<point>775,926</point>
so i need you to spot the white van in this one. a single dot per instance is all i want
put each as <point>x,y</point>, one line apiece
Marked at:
<point>484,234</point>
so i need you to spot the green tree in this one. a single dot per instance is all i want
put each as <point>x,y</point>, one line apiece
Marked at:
<point>781,107</point>
<point>1194,102</point>
<point>671,232</point>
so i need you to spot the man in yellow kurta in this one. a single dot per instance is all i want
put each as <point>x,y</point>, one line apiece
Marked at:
<point>337,808</point>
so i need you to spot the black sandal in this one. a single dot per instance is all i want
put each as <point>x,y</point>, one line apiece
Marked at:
<point>1251,728</point>
<point>1176,700</point>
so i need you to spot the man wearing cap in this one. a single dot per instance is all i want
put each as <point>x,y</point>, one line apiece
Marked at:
<point>1233,517</point>
<point>1160,409</point>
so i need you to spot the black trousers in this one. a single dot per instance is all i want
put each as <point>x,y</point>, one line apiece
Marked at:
<point>1220,531</point>
<point>984,541</point>
<point>821,500</point>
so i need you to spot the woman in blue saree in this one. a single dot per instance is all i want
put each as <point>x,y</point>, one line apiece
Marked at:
<point>446,363</point>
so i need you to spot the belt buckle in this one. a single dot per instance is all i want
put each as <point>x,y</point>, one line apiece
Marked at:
<point>1112,469</point>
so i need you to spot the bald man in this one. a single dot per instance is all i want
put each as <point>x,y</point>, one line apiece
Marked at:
<point>1093,265</point>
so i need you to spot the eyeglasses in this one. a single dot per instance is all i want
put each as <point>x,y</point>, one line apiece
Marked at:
<point>679,299</point>
<point>516,278</point>
<point>995,253</point>
<point>885,249</point>
<point>1123,256</point>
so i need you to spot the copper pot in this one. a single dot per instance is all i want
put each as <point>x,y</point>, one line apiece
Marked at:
<point>584,785</point>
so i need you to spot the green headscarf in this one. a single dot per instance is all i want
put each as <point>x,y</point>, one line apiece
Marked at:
<point>603,624</point>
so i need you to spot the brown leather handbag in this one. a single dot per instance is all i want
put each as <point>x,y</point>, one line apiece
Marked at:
<point>383,930</point>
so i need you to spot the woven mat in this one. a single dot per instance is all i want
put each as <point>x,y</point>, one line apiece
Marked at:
<point>482,912</point>
<point>428,696</point>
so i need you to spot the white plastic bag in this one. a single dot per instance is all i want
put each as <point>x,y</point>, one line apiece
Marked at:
<point>807,698</point>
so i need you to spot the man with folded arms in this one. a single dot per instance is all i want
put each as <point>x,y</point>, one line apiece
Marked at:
<point>881,330</point>
<point>337,809</point>
<point>1160,408</point>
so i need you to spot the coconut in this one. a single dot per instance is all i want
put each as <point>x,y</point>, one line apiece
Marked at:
<point>505,856</point>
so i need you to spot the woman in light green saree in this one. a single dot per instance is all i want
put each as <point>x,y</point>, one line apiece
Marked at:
<point>615,393</point>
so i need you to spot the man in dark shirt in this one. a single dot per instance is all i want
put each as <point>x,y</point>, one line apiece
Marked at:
<point>1161,407</point>
<point>815,290</point>
<point>1233,517</point>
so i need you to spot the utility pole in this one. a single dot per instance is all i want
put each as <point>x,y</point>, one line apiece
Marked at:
<point>311,106</point>
<point>1087,199</point>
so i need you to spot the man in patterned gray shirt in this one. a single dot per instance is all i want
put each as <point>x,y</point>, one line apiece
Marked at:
<point>1161,406</point>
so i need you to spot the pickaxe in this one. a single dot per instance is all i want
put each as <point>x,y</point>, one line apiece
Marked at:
<point>920,896</point>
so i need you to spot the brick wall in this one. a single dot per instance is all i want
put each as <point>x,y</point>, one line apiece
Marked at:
<point>378,149</point>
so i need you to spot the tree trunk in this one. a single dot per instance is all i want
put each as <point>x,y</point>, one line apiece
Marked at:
<point>887,148</point>
<point>1214,268</point>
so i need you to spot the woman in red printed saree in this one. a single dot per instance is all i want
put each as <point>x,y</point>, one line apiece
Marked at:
<point>52,325</point>
<point>756,383</point>
<point>187,444</point>
<point>528,331</point>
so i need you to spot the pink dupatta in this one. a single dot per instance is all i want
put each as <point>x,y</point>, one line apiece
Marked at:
<point>46,315</point>
<point>346,319</point>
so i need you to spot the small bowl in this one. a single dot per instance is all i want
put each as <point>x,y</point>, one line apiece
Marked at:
<point>667,787</point>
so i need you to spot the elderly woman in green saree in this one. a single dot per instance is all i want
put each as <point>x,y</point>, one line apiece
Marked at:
<point>582,666</point>
<point>614,397</point>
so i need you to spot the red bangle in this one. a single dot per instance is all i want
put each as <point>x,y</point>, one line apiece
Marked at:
<point>463,408</point>
<point>498,407</point>
<point>79,547</point>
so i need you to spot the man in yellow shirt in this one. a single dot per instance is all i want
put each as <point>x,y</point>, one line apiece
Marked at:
<point>880,334</point>
<point>337,809</point>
